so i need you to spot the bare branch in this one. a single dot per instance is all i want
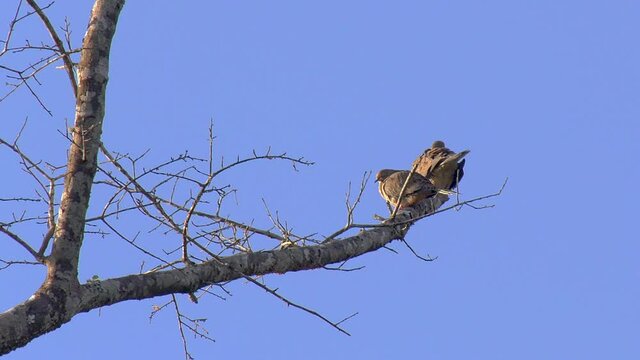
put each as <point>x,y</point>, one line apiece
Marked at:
<point>13,23</point>
<point>24,125</point>
<point>30,73</point>
<point>68,64</point>
<point>6,264</point>
<point>341,268</point>
<point>19,199</point>
<point>28,163</point>
<point>46,239</point>
<point>141,189</point>
<point>30,166</point>
<point>203,189</point>
<point>11,27</point>
<point>428,258</point>
<point>23,243</point>
<point>132,243</point>
<point>266,156</point>
<point>179,317</point>
<point>351,208</point>
<point>290,303</point>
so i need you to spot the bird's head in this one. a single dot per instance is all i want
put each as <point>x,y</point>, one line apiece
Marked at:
<point>384,173</point>
<point>437,144</point>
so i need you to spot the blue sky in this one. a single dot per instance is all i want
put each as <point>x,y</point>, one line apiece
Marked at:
<point>543,92</point>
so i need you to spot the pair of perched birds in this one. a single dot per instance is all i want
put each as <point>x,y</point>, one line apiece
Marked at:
<point>438,169</point>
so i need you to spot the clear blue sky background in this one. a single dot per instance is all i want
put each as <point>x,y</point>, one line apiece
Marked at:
<point>546,93</point>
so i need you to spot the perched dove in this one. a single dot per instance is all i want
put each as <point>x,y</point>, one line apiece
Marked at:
<point>391,182</point>
<point>441,166</point>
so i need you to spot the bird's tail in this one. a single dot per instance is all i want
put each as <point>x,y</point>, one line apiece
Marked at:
<point>457,157</point>
<point>449,159</point>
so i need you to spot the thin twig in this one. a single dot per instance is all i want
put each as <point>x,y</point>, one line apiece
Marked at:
<point>68,64</point>
<point>345,270</point>
<point>428,258</point>
<point>179,317</point>
<point>6,264</point>
<point>11,27</point>
<point>404,187</point>
<point>351,208</point>
<point>290,303</point>
<point>267,156</point>
<point>21,242</point>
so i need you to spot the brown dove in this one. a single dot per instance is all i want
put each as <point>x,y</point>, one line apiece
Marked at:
<point>441,166</point>
<point>391,182</point>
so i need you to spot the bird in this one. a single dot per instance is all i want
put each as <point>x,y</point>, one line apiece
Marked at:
<point>441,166</point>
<point>391,182</point>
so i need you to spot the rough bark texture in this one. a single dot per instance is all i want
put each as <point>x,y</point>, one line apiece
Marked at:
<point>57,300</point>
<point>61,296</point>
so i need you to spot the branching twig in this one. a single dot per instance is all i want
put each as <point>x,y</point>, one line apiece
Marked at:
<point>428,258</point>
<point>351,208</point>
<point>31,167</point>
<point>179,317</point>
<point>290,303</point>
<point>21,242</point>
<point>68,64</point>
<point>340,267</point>
<point>266,156</point>
<point>203,189</point>
<point>6,264</point>
<point>11,27</point>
